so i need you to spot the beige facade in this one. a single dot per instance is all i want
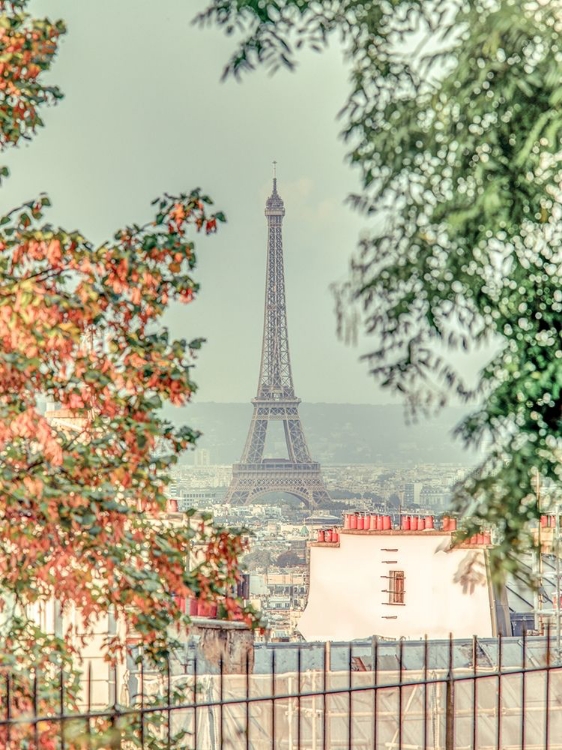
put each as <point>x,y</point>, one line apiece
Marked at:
<point>397,584</point>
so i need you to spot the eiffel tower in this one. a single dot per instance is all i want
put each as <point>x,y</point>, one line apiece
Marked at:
<point>298,474</point>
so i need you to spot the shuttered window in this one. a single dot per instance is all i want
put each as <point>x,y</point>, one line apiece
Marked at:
<point>396,587</point>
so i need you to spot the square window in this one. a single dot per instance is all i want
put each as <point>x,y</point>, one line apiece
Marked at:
<point>396,587</point>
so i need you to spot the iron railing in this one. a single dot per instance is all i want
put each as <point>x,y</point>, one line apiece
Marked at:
<point>483,694</point>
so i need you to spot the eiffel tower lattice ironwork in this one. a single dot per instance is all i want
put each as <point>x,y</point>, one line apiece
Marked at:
<point>298,474</point>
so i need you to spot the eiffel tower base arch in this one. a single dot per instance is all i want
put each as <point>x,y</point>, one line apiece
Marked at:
<point>304,481</point>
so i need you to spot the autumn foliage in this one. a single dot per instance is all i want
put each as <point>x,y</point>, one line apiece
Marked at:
<point>81,326</point>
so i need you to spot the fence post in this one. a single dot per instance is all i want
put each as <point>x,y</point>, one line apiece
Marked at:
<point>450,702</point>
<point>115,741</point>
<point>450,713</point>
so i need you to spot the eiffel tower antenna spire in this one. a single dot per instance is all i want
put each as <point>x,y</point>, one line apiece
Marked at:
<point>298,474</point>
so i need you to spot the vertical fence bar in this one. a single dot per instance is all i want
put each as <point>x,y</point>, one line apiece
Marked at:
<point>247,700</point>
<point>324,698</point>
<point>375,673</point>
<point>400,696</point>
<point>523,686</point>
<point>61,707</point>
<point>89,704</point>
<point>273,702</point>
<point>116,709</point>
<point>195,702</point>
<point>8,708</point>
<point>35,709</point>
<point>425,673</point>
<point>350,699</point>
<point>499,702</point>
<point>474,693</point>
<point>547,692</point>
<point>221,702</point>
<point>142,701</point>
<point>450,702</point>
<point>299,690</point>
<point>169,702</point>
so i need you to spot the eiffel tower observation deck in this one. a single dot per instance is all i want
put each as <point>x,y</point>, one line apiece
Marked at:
<point>297,474</point>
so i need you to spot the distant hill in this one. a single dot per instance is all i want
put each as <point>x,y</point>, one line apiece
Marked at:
<point>336,433</point>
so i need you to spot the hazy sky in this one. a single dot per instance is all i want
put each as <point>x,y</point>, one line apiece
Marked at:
<point>145,112</point>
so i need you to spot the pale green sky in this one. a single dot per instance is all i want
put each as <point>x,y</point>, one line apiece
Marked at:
<point>145,112</point>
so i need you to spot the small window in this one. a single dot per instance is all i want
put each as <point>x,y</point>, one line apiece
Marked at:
<point>396,587</point>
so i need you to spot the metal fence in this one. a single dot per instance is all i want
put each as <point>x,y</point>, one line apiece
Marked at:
<point>488,694</point>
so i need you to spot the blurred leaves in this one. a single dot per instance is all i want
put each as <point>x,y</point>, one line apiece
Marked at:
<point>454,122</point>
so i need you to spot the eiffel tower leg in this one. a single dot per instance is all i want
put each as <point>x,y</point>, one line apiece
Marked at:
<point>236,496</point>
<point>241,489</point>
<point>255,442</point>
<point>296,441</point>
